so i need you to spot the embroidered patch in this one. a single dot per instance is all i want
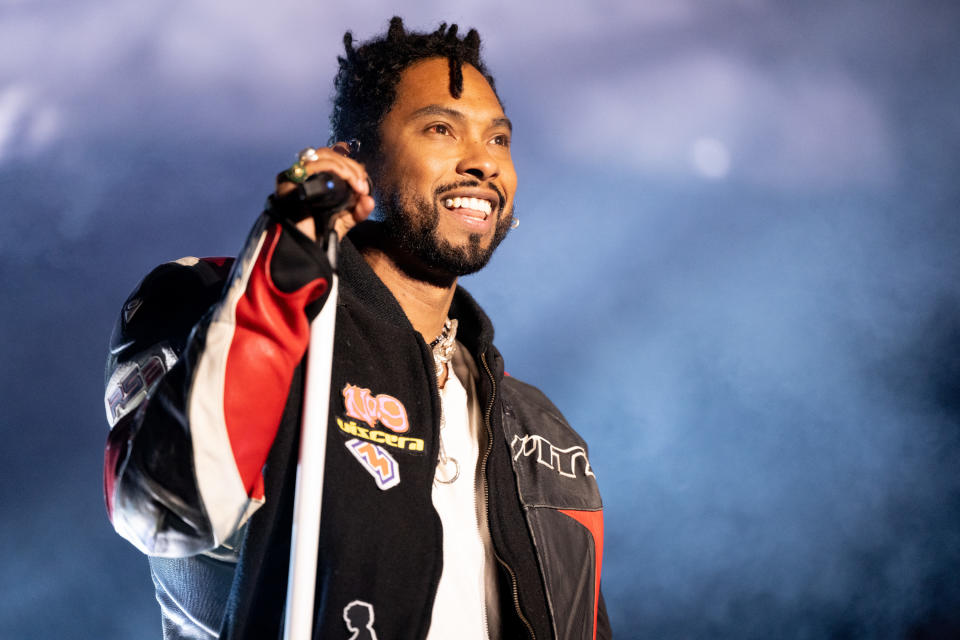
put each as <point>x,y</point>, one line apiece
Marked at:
<point>364,406</point>
<point>376,461</point>
<point>563,461</point>
<point>359,618</point>
<point>351,428</point>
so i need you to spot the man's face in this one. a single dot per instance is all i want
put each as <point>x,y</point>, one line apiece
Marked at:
<point>445,175</point>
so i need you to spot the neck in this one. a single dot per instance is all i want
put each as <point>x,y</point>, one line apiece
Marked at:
<point>425,302</point>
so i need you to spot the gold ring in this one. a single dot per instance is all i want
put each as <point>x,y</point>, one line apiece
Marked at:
<point>297,173</point>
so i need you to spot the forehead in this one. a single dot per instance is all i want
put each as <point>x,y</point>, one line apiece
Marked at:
<point>427,82</point>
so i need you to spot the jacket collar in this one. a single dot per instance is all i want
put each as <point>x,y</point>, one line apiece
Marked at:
<point>358,280</point>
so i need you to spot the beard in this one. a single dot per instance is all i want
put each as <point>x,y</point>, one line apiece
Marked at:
<point>414,227</point>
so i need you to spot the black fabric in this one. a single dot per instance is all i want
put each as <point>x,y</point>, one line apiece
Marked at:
<point>175,582</point>
<point>558,534</point>
<point>551,463</point>
<point>164,307</point>
<point>604,630</point>
<point>551,469</point>
<point>297,261</point>
<point>164,450</point>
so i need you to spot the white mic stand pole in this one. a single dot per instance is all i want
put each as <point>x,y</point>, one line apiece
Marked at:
<point>305,534</point>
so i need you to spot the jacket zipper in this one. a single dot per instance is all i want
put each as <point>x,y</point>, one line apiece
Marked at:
<point>486,491</point>
<point>483,576</point>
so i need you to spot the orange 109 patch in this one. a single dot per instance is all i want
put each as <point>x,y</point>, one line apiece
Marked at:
<point>364,406</point>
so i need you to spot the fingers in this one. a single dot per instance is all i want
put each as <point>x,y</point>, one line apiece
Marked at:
<point>336,160</point>
<point>345,220</point>
<point>333,160</point>
<point>342,221</point>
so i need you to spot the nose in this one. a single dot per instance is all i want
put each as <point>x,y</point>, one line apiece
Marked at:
<point>478,163</point>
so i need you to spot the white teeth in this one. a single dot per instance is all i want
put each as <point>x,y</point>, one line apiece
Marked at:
<point>475,204</point>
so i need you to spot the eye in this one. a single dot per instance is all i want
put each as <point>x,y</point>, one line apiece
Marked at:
<point>502,140</point>
<point>440,129</point>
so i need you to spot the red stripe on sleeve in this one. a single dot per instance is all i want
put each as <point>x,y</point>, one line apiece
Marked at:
<point>593,521</point>
<point>110,457</point>
<point>271,335</point>
<point>118,443</point>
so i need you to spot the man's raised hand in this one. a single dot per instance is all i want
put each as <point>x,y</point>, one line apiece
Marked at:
<point>335,160</point>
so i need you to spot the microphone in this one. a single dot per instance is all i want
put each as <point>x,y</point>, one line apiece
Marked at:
<point>320,196</point>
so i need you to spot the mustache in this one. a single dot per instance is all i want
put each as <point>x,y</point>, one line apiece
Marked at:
<point>467,184</point>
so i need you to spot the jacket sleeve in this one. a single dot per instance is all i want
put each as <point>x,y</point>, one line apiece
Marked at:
<point>197,378</point>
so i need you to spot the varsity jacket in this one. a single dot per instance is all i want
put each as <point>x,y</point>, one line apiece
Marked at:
<point>204,396</point>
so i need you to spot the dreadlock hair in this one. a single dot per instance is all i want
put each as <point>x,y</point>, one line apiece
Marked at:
<point>366,83</point>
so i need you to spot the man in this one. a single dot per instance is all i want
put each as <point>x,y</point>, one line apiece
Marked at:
<point>458,503</point>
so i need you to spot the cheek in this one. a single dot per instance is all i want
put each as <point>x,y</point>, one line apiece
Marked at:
<point>510,177</point>
<point>411,173</point>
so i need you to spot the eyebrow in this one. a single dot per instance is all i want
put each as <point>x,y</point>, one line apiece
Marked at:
<point>438,110</point>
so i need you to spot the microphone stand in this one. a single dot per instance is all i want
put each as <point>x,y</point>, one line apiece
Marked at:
<point>320,196</point>
<point>305,532</point>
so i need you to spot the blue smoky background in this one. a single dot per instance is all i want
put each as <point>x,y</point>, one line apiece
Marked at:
<point>736,273</point>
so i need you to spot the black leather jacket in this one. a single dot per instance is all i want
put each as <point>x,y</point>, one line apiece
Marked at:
<point>204,391</point>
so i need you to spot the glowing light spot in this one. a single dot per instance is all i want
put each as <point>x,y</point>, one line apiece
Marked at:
<point>710,158</point>
<point>26,126</point>
<point>14,104</point>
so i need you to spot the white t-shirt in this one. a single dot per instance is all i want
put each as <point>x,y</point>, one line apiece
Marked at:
<point>466,606</point>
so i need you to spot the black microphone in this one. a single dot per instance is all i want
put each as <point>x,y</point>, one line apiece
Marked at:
<point>320,196</point>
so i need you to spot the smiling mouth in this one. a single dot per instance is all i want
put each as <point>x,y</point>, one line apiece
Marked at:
<point>478,208</point>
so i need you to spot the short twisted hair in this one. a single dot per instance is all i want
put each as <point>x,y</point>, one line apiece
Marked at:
<point>366,82</point>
